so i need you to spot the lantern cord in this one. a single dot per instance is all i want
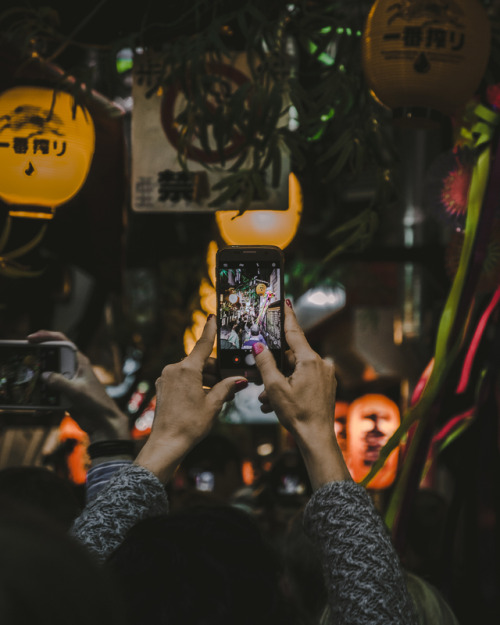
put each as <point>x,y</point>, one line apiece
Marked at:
<point>10,267</point>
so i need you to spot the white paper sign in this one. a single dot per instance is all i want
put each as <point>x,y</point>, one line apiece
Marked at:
<point>159,184</point>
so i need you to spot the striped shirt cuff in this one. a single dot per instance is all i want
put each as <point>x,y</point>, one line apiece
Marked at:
<point>100,475</point>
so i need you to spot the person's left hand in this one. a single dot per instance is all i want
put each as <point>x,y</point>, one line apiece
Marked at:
<point>91,407</point>
<point>185,410</point>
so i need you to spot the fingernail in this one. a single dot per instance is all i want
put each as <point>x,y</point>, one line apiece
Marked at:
<point>210,316</point>
<point>45,375</point>
<point>289,303</point>
<point>241,384</point>
<point>257,348</point>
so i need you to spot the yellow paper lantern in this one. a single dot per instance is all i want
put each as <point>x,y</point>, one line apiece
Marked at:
<point>260,289</point>
<point>264,227</point>
<point>425,54</point>
<point>46,148</point>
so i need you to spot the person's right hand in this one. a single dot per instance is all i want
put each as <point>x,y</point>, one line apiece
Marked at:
<point>304,402</point>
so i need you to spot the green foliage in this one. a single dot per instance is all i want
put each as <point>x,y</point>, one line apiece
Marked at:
<point>304,58</point>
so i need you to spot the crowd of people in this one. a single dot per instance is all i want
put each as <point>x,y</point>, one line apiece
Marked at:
<point>127,556</point>
<point>244,333</point>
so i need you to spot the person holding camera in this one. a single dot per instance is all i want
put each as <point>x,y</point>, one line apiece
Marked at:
<point>364,578</point>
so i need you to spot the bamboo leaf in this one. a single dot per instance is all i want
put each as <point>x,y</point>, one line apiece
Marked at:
<point>227,181</point>
<point>339,164</point>
<point>239,161</point>
<point>260,191</point>
<point>342,142</point>
<point>276,171</point>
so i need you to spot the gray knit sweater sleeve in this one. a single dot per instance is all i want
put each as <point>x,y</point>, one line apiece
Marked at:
<point>362,571</point>
<point>132,494</point>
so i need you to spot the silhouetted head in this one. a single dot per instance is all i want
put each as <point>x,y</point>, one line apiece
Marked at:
<point>207,566</point>
<point>40,489</point>
<point>46,577</point>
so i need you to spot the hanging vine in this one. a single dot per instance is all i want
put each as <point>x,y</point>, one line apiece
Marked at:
<point>304,59</point>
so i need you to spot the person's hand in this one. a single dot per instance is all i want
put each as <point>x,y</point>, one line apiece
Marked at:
<point>304,402</point>
<point>90,405</point>
<point>185,410</point>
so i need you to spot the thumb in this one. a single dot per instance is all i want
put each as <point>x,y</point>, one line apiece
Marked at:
<point>266,364</point>
<point>225,389</point>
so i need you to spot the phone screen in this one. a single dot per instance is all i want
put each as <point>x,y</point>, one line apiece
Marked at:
<point>250,310</point>
<point>20,375</point>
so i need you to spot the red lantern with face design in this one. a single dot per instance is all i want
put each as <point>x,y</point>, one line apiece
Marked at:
<point>371,420</point>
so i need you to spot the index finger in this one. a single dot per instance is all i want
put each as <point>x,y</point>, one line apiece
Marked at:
<point>295,336</point>
<point>203,348</point>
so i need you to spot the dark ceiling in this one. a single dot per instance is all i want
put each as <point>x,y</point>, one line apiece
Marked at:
<point>102,21</point>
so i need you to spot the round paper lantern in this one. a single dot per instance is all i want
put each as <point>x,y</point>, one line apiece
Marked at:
<point>46,146</point>
<point>264,227</point>
<point>341,408</point>
<point>371,420</point>
<point>425,54</point>
<point>260,289</point>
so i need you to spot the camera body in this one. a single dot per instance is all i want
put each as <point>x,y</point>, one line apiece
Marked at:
<point>22,363</point>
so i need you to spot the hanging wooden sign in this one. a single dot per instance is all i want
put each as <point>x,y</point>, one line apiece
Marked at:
<point>159,182</point>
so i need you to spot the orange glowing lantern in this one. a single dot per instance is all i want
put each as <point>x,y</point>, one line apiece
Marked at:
<point>425,54</point>
<point>46,148</point>
<point>260,289</point>
<point>78,461</point>
<point>263,227</point>
<point>371,420</point>
<point>341,409</point>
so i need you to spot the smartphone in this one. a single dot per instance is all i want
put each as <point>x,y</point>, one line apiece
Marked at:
<point>249,307</point>
<point>21,366</point>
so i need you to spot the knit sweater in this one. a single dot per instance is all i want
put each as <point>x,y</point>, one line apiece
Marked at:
<point>363,575</point>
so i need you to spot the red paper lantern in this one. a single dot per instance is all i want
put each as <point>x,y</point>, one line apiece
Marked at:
<point>371,420</point>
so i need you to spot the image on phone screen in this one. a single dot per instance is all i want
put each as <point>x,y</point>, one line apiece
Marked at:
<point>20,376</point>
<point>249,310</point>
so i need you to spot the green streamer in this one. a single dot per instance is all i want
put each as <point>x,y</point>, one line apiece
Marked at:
<point>447,347</point>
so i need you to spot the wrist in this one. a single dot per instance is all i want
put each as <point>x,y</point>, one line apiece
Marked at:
<point>323,458</point>
<point>114,426</point>
<point>162,457</point>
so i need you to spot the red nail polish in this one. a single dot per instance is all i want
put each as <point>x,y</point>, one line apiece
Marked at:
<point>289,303</point>
<point>257,348</point>
<point>210,316</point>
<point>241,384</point>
